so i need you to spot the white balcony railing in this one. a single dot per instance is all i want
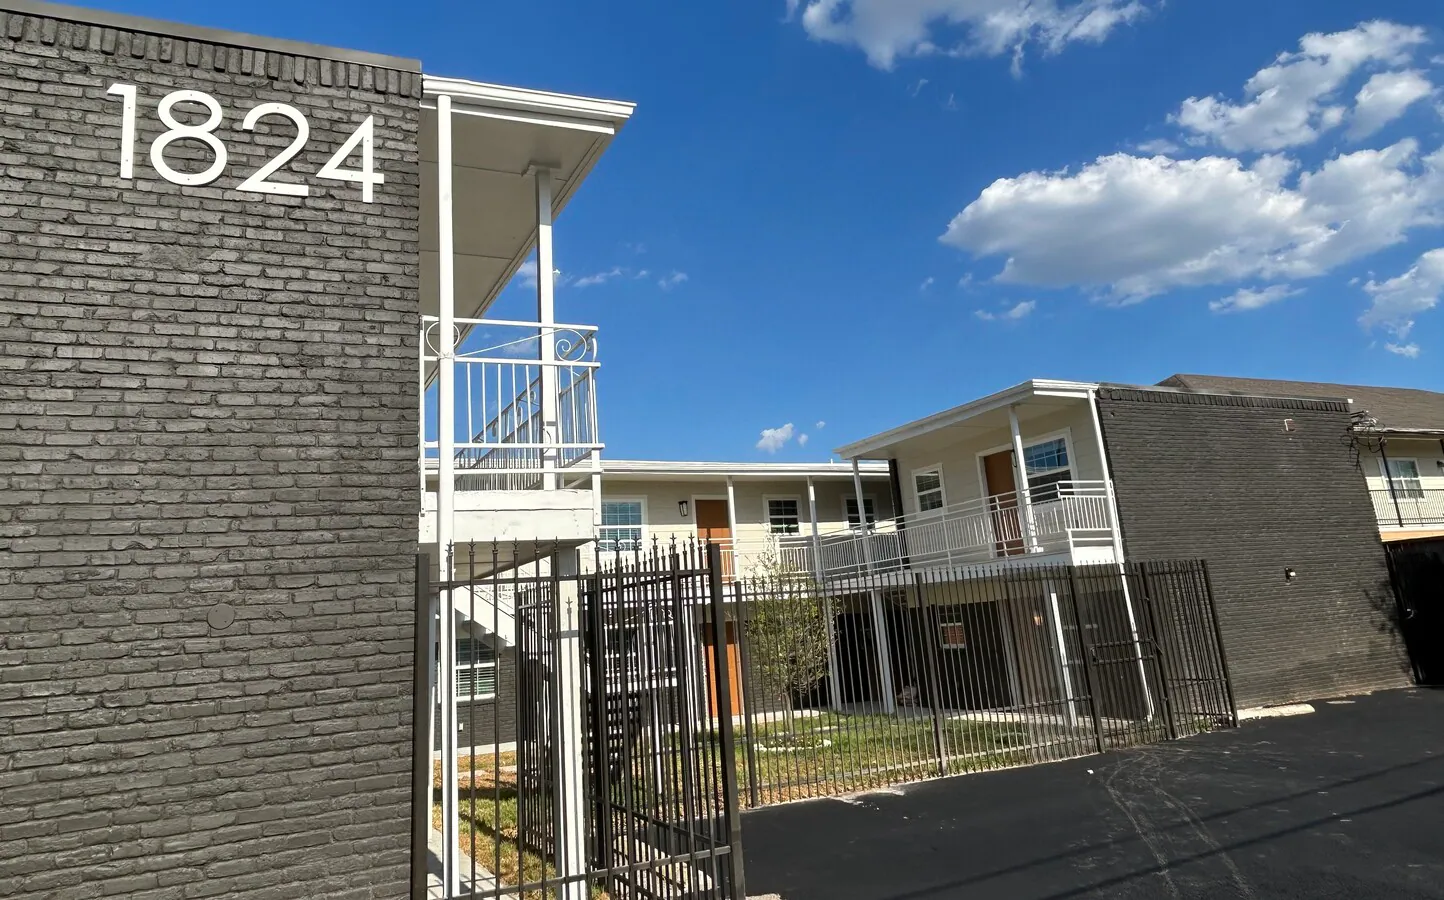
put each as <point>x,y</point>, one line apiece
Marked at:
<point>522,421</point>
<point>1065,517</point>
<point>1408,506</point>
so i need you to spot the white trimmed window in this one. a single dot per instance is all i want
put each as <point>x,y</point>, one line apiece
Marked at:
<point>621,529</point>
<point>1047,464</point>
<point>1404,479</point>
<point>782,516</point>
<point>952,636</point>
<point>928,486</point>
<point>475,669</point>
<point>853,519</point>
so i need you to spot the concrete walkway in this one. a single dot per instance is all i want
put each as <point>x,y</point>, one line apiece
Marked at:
<point>1346,803</point>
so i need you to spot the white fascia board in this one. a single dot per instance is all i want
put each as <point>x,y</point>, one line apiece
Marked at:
<point>1018,393</point>
<point>525,104</point>
<point>662,469</point>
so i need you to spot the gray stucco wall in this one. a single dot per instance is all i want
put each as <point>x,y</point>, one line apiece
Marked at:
<point>206,410</point>
<point>1220,478</point>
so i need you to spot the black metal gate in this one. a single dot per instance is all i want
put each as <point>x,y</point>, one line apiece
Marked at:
<point>662,772</point>
<point>585,757</point>
<point>1417,571</point>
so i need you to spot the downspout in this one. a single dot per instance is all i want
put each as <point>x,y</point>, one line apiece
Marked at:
<point>1389,479</point>
<point>1118,547</point>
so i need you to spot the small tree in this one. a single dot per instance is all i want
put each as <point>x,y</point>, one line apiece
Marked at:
<point>786,628</point>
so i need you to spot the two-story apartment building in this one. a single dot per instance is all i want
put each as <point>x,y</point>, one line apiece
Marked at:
<point>762,514</point>
<point>1268,486</point>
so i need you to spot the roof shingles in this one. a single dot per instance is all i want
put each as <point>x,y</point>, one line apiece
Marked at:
<point>1407,409</point>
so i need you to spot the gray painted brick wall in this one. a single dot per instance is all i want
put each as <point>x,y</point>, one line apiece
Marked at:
<point>1219,478</point>
<point>205,398</point>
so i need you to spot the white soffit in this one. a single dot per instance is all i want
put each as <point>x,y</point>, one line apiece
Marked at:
<point>498,134</point>
<point>1018,393</point>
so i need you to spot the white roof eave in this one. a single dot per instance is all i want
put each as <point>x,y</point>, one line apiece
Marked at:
<point>1037,387</point>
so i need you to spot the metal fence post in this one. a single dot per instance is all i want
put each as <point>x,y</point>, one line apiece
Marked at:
<point>731,816</point>
<point>421,728</point>
<point>931,651</point>
<point>1218,639</point>
<point>1085,650</point>
<point>1149,607</point>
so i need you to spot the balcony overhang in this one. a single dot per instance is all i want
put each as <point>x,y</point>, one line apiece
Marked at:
<point>499,134</point>
<point>1034,397</point>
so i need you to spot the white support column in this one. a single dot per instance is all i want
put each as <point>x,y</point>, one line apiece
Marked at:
<point>1020,478</point>
<point>569,698</point>
<point>1060,658</point>
<point>547,315</point>
<point>445,489</point>
<point>1118,548</point>
<point>834,698</point>
<point>731,529</point>
<point>879,619</point>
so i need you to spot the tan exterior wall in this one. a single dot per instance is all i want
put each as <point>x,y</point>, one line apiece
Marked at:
<point>962,469</point>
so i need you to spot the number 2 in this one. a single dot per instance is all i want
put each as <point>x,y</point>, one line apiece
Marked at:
<point>258,182</point>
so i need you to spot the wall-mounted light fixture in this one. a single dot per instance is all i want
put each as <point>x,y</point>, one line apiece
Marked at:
<point>682,508</point>
<point>1290,574</point>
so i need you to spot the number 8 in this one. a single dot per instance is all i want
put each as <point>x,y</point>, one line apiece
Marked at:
<point>180,132</point>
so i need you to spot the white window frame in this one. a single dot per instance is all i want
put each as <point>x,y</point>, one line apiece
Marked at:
<point>943,643</point>
<point>767,514</point>
<point>463,664</point>
<point>642,538</point>
<point>862,519</point>
<point>934,469</point>
<point>1397,485</point>
<point>1020,466</point>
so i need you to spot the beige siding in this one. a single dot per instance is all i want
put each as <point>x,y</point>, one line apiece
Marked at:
<point>1427,453</point>
<point>662,521</point>
<point>961,465</point>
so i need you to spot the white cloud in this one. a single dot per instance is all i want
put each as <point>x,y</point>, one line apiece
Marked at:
<point>927,283</point>
<point>1408,350</point>
<point>886,30</point>
<point>526,275</point>
<point>802,440</point>
<point>667,282</point>
<point>598,278</point>
<point>1136,227</point>
<point>774,439</point>
<point>1013,313</point>
<point>1246,299</point>
<point>1385,98</point>
<point>1398,300</point>
<point>819,426</point>
<point>1293,101</point>
<point>1159,147</point>
<point>918,86</point>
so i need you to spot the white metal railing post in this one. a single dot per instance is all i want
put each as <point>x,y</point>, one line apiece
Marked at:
<point>1025,496</point>
<point>445,491</point>
<point>570,697</point>
<point>546,315</point>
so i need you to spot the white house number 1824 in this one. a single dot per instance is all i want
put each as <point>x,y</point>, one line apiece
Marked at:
<point>259,182</point>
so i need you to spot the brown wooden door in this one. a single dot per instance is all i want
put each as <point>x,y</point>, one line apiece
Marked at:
<point>734,670</point>
<point>1003,503</point>
<point>713,524</point>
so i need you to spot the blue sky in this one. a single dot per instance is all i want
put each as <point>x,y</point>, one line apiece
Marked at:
<point>858,212</point>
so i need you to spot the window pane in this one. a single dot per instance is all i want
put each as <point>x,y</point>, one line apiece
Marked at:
<point>621,512</point>
<point>928,487</point>
<point>782,517</point>
<point>1404,478</point>
<point>1046,457</point>
<point>852,517</point>
<point>928,481</point>
<point>619,539</point>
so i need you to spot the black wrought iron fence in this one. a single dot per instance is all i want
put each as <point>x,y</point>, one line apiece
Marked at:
<point>908,675</point>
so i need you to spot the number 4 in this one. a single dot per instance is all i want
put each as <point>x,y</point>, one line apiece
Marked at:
<point>366,176</point>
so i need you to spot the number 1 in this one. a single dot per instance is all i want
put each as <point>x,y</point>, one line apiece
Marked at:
<point>127,128</point>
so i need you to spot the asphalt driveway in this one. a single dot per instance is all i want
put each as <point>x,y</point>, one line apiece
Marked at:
<point>1346,803</point>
